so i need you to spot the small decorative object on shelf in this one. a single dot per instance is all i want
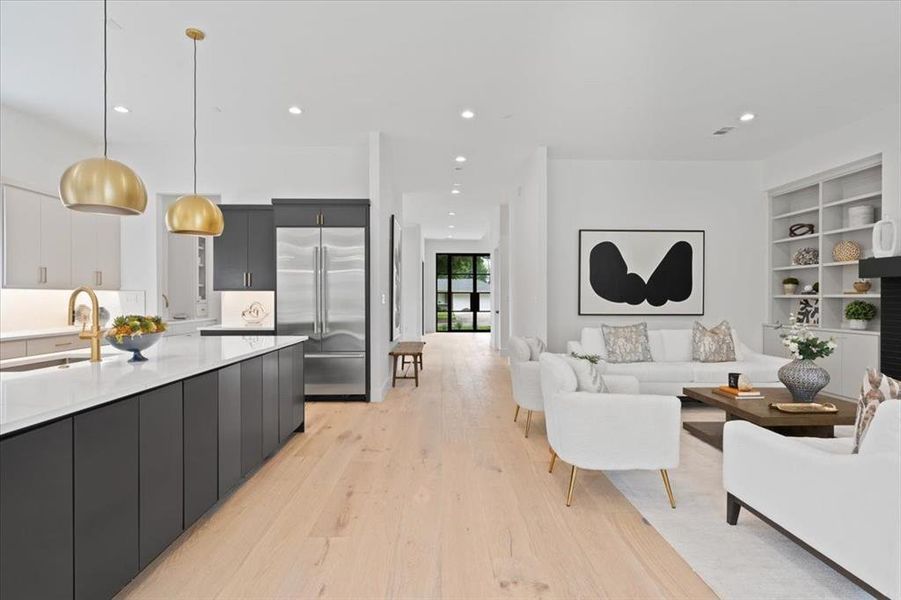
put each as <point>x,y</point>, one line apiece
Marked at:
<point>808,312</point>
<point>134,333</point>
<point>790,285</point>
<point>254,314</point>
<point>803,377</point>
<point>811,289</point>
<point>886,238</point>
<point>859,314</point>
<point>799,229</point>
<point>858,216</point>
<point>862,286</point>
<point>806,256</point>
<point>846,250</point>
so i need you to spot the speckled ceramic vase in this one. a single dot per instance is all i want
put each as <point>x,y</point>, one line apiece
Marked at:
<point>804,379</point>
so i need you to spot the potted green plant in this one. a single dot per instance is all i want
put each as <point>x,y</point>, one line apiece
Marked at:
<point>859,314</point>
<point>790,285</point>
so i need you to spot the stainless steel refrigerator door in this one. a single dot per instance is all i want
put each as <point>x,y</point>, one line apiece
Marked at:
<point>343,286</point>
<point>298,296</point>
<point>337,374</point>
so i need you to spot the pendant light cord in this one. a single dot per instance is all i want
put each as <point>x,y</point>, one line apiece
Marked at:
<point>105,109</point>
<point>195,117</point>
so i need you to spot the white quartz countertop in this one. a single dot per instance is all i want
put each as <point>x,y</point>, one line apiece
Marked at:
<point>29,398</point>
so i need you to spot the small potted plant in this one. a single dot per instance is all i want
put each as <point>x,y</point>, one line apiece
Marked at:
<point>790,285</point>
<point>859,314</point>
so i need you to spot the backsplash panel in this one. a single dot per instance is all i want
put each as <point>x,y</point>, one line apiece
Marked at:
<point>46,309</point>
<point>234,303</point>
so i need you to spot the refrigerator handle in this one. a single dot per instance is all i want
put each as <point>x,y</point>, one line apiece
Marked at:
<point>316,289</point>
<point>324,289</point>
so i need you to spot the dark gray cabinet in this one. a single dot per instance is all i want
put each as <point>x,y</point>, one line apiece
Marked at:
<point>229,428</point>
<point>201,439</point>
<point>270,403</point>
<point>106,499</point>
<point>343,215</point>
<point>317,213</point>
<point>244,255</point>
<point>36,533</point>
<point>251,414</point>
<point>290,391</point>
<point>161,470</point>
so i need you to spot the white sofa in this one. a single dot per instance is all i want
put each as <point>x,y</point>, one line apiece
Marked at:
<point>526,379</point>
<point>617,430</point>
<point>673,368</point>
<point>844,506</point>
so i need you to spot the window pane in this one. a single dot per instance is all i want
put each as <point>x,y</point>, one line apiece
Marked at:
<point>485,302</point>
<point>442,325</point>
<point>461,302</point>
<point>462,322</point>
<point>483,320</point>
<point>442,285</point>
<point>442,264</point>
<point>483,283</point>
<point>461,283</point>
<point>483,264</point>
<point>461,264</point>
<point>442,303</point>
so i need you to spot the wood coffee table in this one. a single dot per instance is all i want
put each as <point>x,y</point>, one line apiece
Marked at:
<point>760,413</point>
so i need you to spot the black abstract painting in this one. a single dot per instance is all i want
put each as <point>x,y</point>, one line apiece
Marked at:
<point>641,272</point>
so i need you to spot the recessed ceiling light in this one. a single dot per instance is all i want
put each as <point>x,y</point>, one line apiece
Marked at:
<point>467,114</point>
<point>460,159</point>
<point>121,109</point>
<point>450,236</point>
<point>452,214</point>
<point>450,226</point>
<point>456,185</point>
<point>455,191</point>
<point>745,117</point>
<point>295,110</point>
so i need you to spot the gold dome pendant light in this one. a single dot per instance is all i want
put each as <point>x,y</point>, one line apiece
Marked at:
<point>193,214</point>
<point>103,185</point>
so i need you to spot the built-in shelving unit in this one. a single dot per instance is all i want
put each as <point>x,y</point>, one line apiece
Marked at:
<point>823,200</point>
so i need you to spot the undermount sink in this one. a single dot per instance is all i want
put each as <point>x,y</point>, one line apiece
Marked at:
<point>61,363</point>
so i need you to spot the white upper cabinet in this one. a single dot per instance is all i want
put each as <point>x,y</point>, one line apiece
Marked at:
<point>45,245</point>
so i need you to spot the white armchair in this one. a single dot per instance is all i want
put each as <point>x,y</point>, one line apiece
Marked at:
<point>526,378</point>
<point>844,507</point>
<point>618,430</point>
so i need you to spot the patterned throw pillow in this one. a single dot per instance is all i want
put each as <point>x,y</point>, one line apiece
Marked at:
<point>587,374</point>
<point>875,390</point>
<point>536,347</point>
<point>712,345</point>
<point>627,344</point>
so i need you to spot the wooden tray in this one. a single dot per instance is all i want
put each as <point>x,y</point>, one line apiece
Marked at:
<point>804,407</point>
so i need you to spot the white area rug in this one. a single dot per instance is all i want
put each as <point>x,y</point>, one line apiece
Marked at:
<point>751,560</point>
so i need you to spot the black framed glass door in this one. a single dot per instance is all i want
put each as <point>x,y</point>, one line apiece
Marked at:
<point>463,292</point>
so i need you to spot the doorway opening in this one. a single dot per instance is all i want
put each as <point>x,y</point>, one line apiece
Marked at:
<point>463,292</point>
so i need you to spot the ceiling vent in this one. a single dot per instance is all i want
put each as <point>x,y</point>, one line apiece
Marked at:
<point>723,130</point>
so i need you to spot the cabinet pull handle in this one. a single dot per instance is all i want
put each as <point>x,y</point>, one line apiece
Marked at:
<point>101,278</point>
<point>250,279</point>
<point>61,344</point>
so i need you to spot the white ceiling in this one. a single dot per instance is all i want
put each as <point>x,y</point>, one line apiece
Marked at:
<point>639,80</point>
<point>472,219</point>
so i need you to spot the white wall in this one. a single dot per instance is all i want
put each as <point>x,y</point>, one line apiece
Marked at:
<point>433,247</point>
<point>880,132</point>
<point>528,258</point>
<point>411,290</point>
<point>722,198</point>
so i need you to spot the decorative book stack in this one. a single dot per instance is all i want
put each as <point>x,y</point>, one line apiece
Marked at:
<point>731,392</point>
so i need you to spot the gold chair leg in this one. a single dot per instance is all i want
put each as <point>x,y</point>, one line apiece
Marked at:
<point>669,490</point>
<point>550,469</point>
<point>516,414</point>
<point>528,421</point>
<point>572,484</point>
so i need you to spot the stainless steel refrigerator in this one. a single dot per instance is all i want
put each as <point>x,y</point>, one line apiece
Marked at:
<point>321,293</point>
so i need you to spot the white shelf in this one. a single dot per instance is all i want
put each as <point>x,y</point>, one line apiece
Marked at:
<point>788,296</point>
<point>846,263</point>
<point>848,229</point>
<point>853,199</point>
<point>795,213</point>
<point>876,296</point>
<point>809,236</point>
<point>795,267</point>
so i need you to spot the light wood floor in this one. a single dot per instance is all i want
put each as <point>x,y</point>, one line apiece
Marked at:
<point>432,493</point>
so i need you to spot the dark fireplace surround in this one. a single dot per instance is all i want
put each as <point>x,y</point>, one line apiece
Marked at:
<point>889,271</point>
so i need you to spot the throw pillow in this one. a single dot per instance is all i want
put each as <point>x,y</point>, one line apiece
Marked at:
<point>536,347</point>
<point>587,374</point>
<point>714,344</point>
<point>519,349</point>
<point>876,389</point>
<point>593,342</point>
<point>627,344</point>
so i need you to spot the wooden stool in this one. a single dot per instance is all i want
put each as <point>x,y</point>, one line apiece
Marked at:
<point>404,350</point>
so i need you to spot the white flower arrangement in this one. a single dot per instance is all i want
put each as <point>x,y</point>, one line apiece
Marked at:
<point>803,344</point>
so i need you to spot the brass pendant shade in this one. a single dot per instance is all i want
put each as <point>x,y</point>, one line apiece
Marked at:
<point>102,185</point>
<point>193,214</point>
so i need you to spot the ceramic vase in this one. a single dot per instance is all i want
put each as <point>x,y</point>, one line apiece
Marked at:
<point>804,379</point>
